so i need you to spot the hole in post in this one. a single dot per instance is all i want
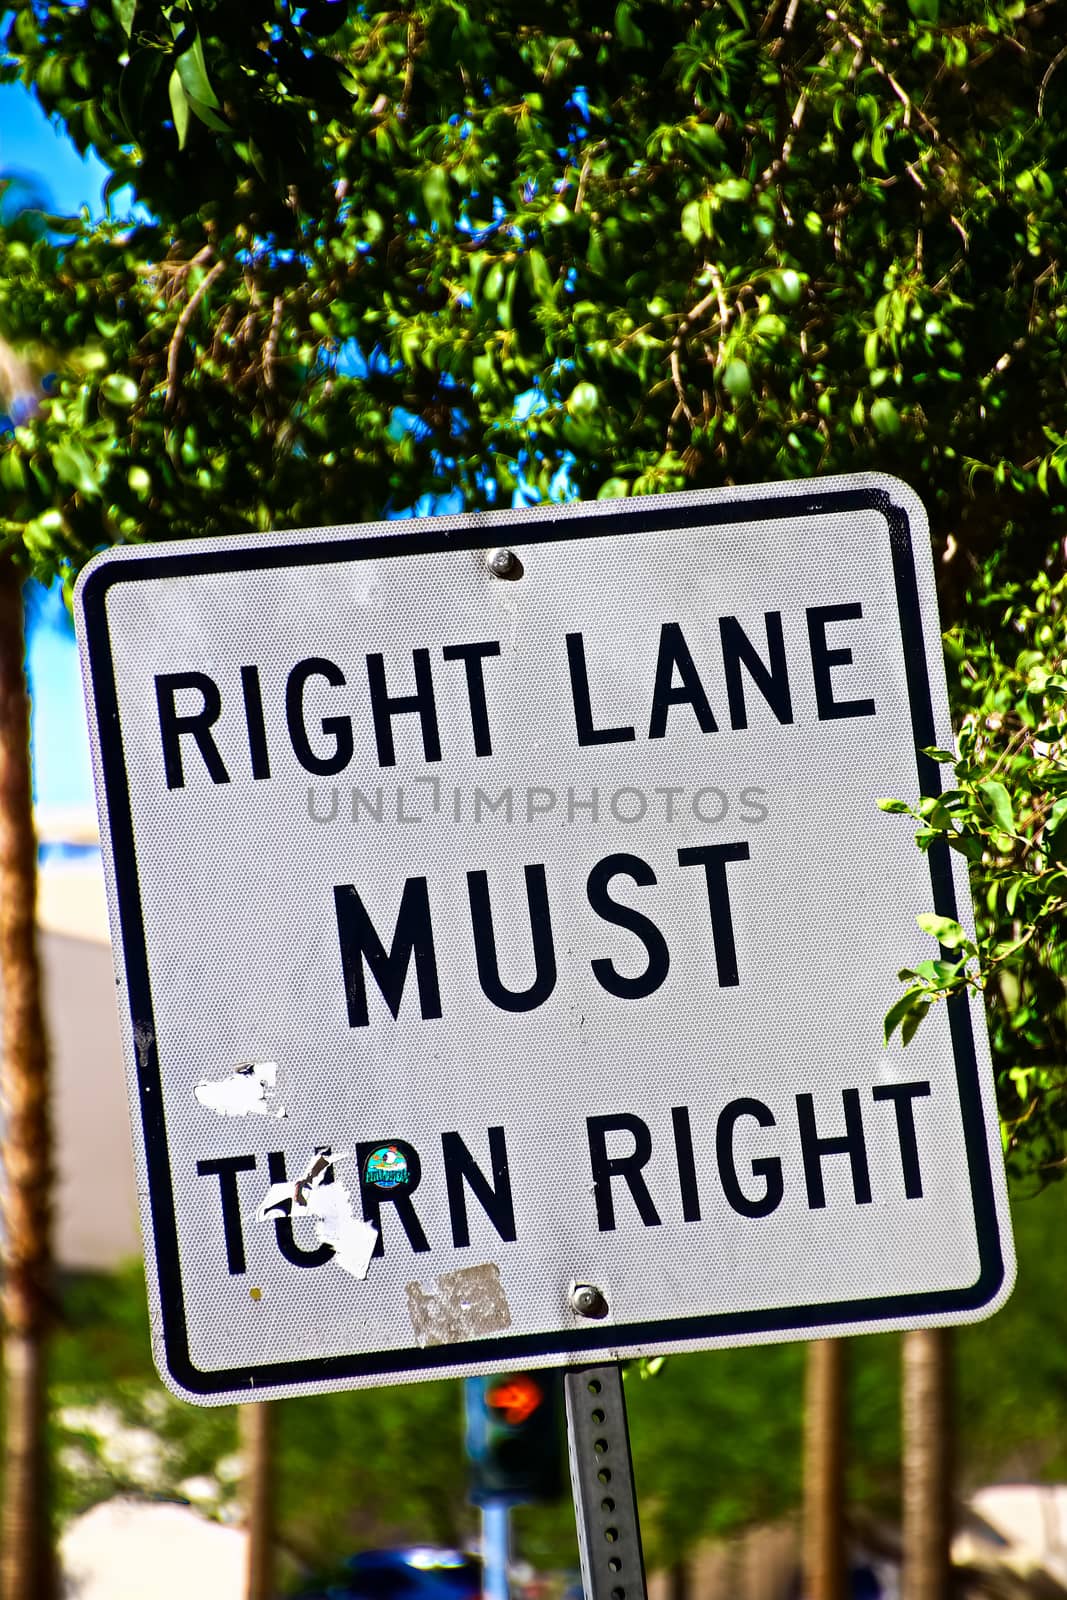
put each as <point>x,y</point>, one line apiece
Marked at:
<point>614,1565</point>
<point>607,1504</point>
<point>618,1594</point>
<point>600,1446</point>
<point>597,1416</point>
<point>611,1535</point>
<point>594,1386</point>
<point>604,1475</point>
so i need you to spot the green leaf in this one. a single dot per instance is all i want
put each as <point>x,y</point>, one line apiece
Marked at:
<point>878,147</point>
<point>119,389</point>
<point>942,757</point>
<point>540,276</point>
<point>74,465</point>
<point>435,194</point>
<point>179,107</point>
<point>733,189</point>
<point>898,1011</point>
<point>787,286</point>
<point>208,117</point>
<point>943,929</point>
<point>911,1022</point>
<point>898,806</point>
<point>494,282</point>
<point>192,69</point>
<point>626,30</point>
<point>938,972</point>
<point>1054,836</point>
<point>583,398</point>
<point>737,380</point>
<point>692,229</point>
<point>998,802</point>
<point>12,471</point>
<point>124,10</point>
<point>885,417</point>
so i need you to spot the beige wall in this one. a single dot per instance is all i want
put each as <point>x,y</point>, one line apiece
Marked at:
<point>96,1204</point>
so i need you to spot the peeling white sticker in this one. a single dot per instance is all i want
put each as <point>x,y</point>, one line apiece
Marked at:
<point>330,1204</point>
<point>247,1092</point>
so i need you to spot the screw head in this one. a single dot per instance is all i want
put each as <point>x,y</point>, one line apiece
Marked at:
<point>586,1300</point>
<point>501,562</point>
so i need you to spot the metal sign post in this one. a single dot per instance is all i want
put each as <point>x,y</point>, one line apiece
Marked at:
<point>605,1504</point>
<point>496,1549</point>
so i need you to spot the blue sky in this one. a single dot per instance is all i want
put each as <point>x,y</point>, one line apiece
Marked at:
<point>30,146</point>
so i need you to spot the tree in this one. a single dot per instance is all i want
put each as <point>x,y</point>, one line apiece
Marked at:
<point>699,244</point>
<point>715,243</point>
<point>825,1561</point>
<point>928,1483</point>
<point>385,252</point>
<point>1003,810</point>
<point>26,1570</point>
<point>257,1438</point>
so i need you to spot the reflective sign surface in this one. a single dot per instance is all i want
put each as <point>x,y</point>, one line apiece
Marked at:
<point>502,910</point>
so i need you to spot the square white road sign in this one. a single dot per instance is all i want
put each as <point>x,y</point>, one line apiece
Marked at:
<point>504,922</point>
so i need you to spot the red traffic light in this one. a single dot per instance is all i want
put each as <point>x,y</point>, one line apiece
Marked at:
<point>516,1398</point>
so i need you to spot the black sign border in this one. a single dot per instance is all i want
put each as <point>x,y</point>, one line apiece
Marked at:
<point>568,1344</point>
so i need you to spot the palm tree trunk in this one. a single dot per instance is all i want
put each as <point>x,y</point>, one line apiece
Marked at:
<point>927,1440</point>
<point>257,1442</point>
<point>678,1585</point>
<point>824,1472</point>
<point>27,1569</point>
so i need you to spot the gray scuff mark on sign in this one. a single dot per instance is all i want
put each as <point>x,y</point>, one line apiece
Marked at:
<point>330,1205</point>
<point>465,1304</point>
<point>505,595</point>
<point>143,1039</point>
<point>248,1091</point>
<point>366,590</point>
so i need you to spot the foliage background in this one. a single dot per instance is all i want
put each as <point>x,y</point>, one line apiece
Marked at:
<point>716,1437</point>
<point>377,255</point>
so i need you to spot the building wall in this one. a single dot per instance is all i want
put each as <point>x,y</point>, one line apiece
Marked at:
<point>96,1202</point>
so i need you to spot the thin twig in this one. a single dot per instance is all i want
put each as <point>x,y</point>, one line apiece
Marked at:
<point>786,30</point>
<point>692,314</point>
<point>676,374</point>
<point>409,72</point>
<point>270,346</point>
<point>180,327</point>
<point>583,178</point>
<point>884,72</point>
<point>1053,64</point>
<point>782,159</point>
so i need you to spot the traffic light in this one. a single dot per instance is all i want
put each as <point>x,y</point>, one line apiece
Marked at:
<point>515,1437</point>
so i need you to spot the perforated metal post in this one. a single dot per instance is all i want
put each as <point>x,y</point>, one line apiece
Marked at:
<point>605,1506</point>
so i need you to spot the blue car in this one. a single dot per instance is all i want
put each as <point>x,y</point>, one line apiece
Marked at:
<point>418,1573</point>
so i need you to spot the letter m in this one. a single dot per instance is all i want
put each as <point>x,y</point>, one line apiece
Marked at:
<point>360,944</point>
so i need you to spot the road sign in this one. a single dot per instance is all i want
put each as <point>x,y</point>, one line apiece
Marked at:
<point>504,921</point>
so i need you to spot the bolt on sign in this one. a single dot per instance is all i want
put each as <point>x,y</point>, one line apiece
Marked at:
<point>504,922</point>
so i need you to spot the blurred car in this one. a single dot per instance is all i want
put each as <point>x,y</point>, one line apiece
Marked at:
<point>421,1572</point>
